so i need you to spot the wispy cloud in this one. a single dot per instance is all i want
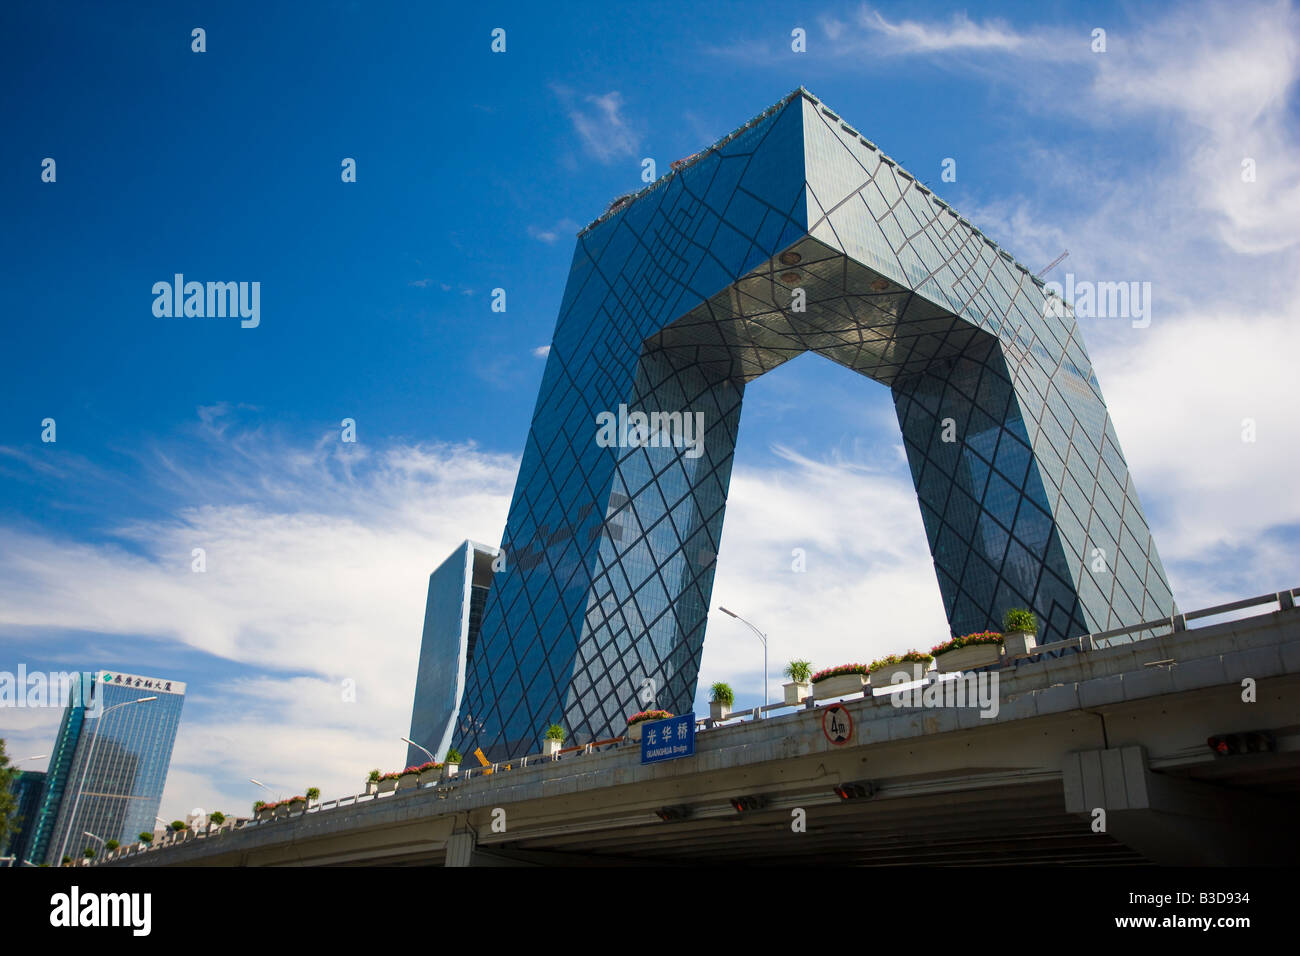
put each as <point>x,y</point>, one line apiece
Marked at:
<point>599,121</point>
<point>565,229</point>
<point>542,351</point>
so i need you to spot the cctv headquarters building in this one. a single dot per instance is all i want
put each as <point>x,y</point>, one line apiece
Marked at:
<point>793,234</point>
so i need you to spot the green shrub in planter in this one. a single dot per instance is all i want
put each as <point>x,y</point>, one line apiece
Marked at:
<point>721,693</point>
<point>145,837</point>
<point>216,817</point>
<point>555,732</point>
<point>88,853</point>
<point>111,845</point>
<point>453,756</point>
<point>799,671</point>
<point>1019,619</point>
<point>313,793</point>
<point>258,805</point>
<point>178,825</point>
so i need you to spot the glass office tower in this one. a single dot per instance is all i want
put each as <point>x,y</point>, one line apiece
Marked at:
<point>793,234</point>
<point>108,771</point>
<point>453,616</point>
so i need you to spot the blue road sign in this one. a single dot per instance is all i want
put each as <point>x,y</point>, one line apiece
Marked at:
<point>668,739</point>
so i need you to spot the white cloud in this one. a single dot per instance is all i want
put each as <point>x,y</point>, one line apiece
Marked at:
<point>542,351</point>
<point>601,125</point>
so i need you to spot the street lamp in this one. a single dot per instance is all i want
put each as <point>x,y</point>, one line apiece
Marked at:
<point>762,637</point>
<point>278,796</point>
<point>93,837</point>
<point>408,740</point>
<point>90,752</point>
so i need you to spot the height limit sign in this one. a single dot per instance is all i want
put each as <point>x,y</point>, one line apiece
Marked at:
<point>837,725</point>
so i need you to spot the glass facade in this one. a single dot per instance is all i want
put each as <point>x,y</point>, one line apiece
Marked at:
<point>793,234</point>
<point>110,768</point>
<point>453,614</point>
<point>27,787</point>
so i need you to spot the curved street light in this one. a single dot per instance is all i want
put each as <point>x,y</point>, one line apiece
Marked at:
<point>90,752</point>
<point>408,740</point>
<point>762,637</point>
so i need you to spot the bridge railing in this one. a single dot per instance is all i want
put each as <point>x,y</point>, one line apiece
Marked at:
<point>1176,624</point>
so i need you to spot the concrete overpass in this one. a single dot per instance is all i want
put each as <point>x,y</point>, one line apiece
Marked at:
<point>1119,727</point>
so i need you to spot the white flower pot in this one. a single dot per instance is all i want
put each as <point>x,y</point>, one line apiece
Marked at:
<point>719,710</point>
<point>372,787</point>
<point>797,693</point>
<point>551,747</point>
<point>450,769</point>
<point>968,658</point>
<point>1019,643</point>
<point>839,686</point>
<point>911,670</point>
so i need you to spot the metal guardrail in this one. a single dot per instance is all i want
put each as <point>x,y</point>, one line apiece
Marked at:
<point>1177,624</point>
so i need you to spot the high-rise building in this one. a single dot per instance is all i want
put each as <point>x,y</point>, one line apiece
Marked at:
<point>794,234</point>
<point>27,787</point>
<point>109,765</point>
<point>453,614</point>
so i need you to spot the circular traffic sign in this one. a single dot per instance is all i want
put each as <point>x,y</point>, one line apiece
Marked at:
<point>837,725</point>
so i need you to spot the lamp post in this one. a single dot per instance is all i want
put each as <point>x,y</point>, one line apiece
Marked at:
<point>762,637</point>
<point>278,796</point>
<point>408,740</point>
<point>90,752</point>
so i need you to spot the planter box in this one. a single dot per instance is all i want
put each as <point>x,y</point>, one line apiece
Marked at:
<point>968,658</point>
<point>840,686</point>
<point>1018,643</point>
<point>718,710</point>
<point>450,769</point>
<point>551,747</point>
<point>372,787</point>
<point>796,693</point>
<point>265,814</point>
<point>431,776</point>
<point>408,781</point>
<point>387,786</point>
<point>911,670</point>
<point>634,730</point>
<point>298,806</point>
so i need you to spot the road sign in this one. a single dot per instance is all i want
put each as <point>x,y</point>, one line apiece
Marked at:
<point>837,725</point>
<point>668,739</point>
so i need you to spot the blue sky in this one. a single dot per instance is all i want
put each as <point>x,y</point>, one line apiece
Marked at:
<point>474,171</point>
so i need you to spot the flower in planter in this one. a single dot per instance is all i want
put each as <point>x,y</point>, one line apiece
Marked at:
<point>895,660</point>
<point>313,793</point>
<point>453,756</point>
<point>555,732</point>
<point>966,640</point>
<point>216,817</point>
<point>721,693</point>
<point>842,670</point>
<point>375,777</point>
<point>799,671</point>
<point>644,715</point>
<point>1019,620</point>
<point>424,767</point>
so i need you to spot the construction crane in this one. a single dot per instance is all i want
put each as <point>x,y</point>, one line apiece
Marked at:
<point>1052,265</point>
